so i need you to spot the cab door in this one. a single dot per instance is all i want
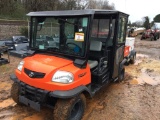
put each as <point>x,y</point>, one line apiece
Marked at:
<point>120,44</point>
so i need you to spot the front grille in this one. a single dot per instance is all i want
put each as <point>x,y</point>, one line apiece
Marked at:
<point>33,74</point>
<point>34,94</point>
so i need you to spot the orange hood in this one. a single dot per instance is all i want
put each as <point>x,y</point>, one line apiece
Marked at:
<point>45,63</point>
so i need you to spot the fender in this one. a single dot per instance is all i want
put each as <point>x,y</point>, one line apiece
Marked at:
<point>121,65</point>
<point>71,93</point>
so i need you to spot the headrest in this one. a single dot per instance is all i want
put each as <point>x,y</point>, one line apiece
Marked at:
<point>95,45</point>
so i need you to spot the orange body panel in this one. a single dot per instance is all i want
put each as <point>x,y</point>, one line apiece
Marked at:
<point>126,51</point>
<point>49,65</point>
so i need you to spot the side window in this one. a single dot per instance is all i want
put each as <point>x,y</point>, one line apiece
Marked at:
<point>121,32</point>
<point>100,28</point>
<point>113,27</point>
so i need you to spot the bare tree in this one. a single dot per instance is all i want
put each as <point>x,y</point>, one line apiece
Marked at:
<point>101,4</point>
<point>71,4</point>
<point>18,8</point>
<point>146,23</point>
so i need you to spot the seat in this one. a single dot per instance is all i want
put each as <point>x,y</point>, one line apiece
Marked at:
<point>92,63</point>
<point>94,46</point>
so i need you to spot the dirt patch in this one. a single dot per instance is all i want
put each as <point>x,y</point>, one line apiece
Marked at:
<point>136,98</point>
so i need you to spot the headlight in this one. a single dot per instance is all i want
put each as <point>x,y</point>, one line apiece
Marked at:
<point>63,77</point>
<point>20,66</point>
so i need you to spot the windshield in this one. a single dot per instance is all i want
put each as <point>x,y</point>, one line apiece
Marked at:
<point>65,35</point>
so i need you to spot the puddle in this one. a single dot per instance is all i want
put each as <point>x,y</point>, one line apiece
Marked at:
<point>137,62</point>
<point>139,58</point>
<point>7,103</point>
<point>150,78</point>
<point>134,82</point>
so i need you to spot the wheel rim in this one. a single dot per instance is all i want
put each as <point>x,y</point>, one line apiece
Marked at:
<point>77,110</point>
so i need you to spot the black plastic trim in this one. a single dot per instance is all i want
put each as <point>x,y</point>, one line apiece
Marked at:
<point>14,78</point>
<point>122,63</point>
<point>70,93</point>
<point>35,105</point>
<point>61,94</point>
<point>80,63</point>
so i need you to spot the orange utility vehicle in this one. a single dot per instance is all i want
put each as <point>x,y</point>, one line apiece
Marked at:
<point>129,51</point>
<point>70,59</point>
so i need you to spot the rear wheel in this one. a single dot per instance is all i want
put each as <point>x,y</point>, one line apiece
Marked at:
<point>158,36</point>
<point>155,37</point>
<point>70,109</point>
<point>151,37</point>
<point>143,36</point>
<point>15,93</point>
<point>121,75</point>
<point>133,59</point>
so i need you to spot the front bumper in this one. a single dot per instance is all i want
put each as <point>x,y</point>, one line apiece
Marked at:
<point>29,95</point>
<point>34,97</point>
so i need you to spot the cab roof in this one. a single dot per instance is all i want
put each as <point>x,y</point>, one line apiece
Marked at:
<point>74,12</point>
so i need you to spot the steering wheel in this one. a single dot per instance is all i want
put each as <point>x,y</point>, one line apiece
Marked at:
<point>76,49</point>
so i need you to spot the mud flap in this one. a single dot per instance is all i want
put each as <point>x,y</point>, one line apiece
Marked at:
<point>32,104</point>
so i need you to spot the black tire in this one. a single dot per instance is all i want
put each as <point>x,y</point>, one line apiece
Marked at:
<point>155,37</point>
<point>143,36</point>
<point>133,59</point>
<point>126,64</point>
<point>121,75</point>
<point>15,93</point>
<point>152,37</point>
<point>70,109</point>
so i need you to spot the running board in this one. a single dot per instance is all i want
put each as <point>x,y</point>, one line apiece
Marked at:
<point>96,87</point>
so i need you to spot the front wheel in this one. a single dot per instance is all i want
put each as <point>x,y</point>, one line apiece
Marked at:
<point>70,109</point>
<point>15,93</point>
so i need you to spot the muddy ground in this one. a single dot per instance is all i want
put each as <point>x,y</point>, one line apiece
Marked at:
<point>136,98</point>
